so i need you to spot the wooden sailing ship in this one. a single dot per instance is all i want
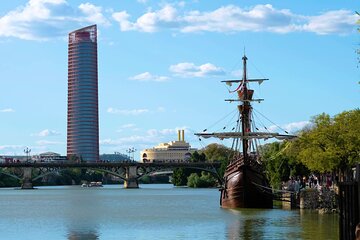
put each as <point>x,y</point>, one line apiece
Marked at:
<point>244,183</point>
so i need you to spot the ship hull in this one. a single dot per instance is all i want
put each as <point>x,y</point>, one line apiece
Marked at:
<point>245,187</point>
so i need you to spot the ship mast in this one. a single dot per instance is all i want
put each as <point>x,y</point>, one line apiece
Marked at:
<point>244,109</point>
<point>243,132</point>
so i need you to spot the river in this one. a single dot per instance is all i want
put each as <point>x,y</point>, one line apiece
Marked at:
<point>155,211</point>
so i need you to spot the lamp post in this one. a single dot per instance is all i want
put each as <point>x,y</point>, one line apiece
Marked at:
<point>27,151</point>
<point>131,151</point>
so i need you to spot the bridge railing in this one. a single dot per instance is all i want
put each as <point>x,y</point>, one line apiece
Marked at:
<point>109,164</point>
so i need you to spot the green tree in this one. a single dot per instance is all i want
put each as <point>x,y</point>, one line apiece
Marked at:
<point>203,181</point>
<point>7,181</point>
<point>193,180</point>
<point>276,165</point>
<point>211,153</point>
<point>180,176</point>
<point>280,163</point>
<point>316,145</point>
<point>217,152</point>
<point>331,143</point>
<point>198,157</point>
<point>347,147</point>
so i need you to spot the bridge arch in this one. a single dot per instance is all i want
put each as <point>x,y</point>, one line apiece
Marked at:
<point>150,171</point>
<point>58,171</point>
<point>53,172</point>
<point>212,171</point>
<point>11,175</point>
<point>109,172</point>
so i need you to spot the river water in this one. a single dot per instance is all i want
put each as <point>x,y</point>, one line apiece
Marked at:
<point>155,211</point>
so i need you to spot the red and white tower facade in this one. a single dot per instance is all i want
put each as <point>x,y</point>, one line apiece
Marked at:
<point>82,114</point>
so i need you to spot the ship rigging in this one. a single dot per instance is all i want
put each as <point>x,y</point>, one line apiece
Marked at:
<point>244,182</point>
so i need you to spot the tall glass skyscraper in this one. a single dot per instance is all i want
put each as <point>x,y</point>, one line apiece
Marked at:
<point>82,115</point>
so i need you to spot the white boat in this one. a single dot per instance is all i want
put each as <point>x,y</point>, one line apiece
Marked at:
<point>92,184</point>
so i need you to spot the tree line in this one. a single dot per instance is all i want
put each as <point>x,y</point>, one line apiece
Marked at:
<point>326,145</point>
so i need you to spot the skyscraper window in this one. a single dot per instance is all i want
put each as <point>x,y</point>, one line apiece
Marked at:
<point>82,118</point>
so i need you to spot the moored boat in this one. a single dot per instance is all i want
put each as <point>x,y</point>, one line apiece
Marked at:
<point>245,184</point>
<point>92,184</point>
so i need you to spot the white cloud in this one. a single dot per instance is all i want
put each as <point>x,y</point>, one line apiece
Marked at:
<point>181,4</point>
<point>7,110</point>
<point>134,112</point>
<point>45,142</point>
<point>290,127</point>
<point>18,150</point>
<point>129,125</point>
<point>166,131</point>
<point>126,111</point>
<point>187,69</point>
<point>122,19</point>
<point>146,76</point>
<point>166,17</point>
<point>127,140</point>
<point>295,126</point>
<point>231,18</point>
<point>161,109</point>
<point>46,133</point>
<point>151,137</point>
<point>341,21</point>
<point>11,147</point>
<point>171,133</point>
<point>93,14</point>
<point>46,19</point>
<point>234,19</point>
<point>141,141</point>
<point>142,1</point>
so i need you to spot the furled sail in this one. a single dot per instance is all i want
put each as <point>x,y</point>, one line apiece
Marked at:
<point>246,135</point>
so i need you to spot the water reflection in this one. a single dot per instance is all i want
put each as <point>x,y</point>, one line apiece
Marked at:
<point>82,214</point>
<point>319,226</point>
<point>250,224</point>
<point>83,235</point>
<point>282,224</point>
<point>263,223</point>
<point>83,231</point>
<point>247,229</point>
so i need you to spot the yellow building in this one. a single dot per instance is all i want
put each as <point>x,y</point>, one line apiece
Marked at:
<point>174,151</point>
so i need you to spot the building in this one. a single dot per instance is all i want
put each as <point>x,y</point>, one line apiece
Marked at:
<point>13,159</point>
<point>48,157</point>
<point>82,116</point>
<point>174,151</point>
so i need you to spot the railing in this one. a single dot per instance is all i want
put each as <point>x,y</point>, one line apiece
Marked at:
<point>349,203</point>
<point>109,164</point>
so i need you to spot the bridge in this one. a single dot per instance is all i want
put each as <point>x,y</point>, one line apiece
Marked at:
<point>130,172</point>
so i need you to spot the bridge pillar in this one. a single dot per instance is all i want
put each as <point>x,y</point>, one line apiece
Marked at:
<point>131,177</point>
<point>27,182</point>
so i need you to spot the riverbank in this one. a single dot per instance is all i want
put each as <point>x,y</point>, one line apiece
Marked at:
<point>324,200</point>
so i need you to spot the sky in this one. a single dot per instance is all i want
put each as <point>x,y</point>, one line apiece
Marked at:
<point>161,63</point>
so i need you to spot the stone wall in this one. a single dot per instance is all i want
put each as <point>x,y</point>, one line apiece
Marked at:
<point>323,200</point>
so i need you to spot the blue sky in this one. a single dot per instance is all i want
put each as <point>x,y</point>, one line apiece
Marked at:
<point>161,62</point>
